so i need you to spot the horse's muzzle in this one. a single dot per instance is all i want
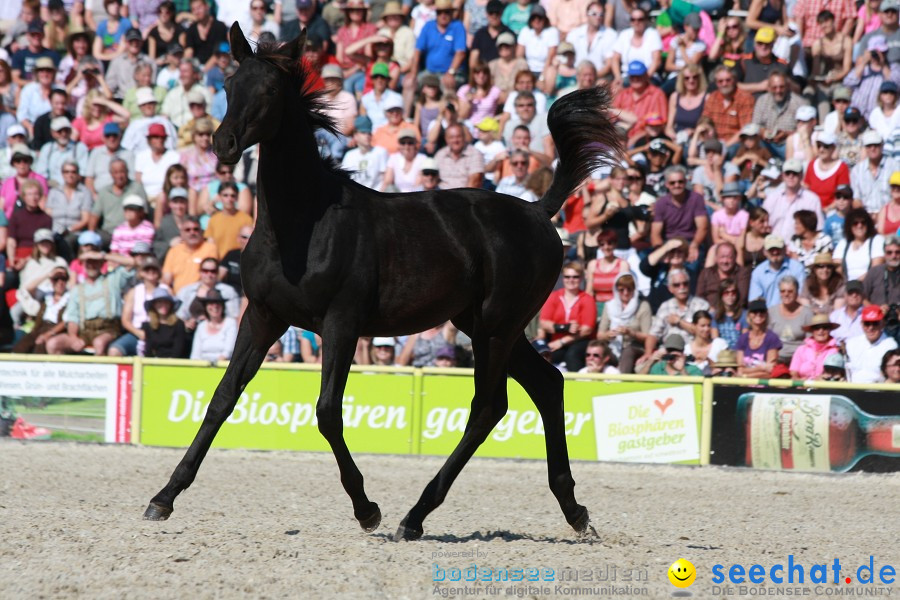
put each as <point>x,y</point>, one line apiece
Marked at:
<point>226,147</point>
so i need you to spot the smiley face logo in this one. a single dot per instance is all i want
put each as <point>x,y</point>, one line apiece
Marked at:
<point>682,573</point>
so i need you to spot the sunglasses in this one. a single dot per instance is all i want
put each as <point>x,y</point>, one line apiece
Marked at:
<point>59,278</point>
<point>892,252</point>
<point>676,182</point>
<point>871,324</point>
<point>732,27</point>
<point>791,173</point>
<point>209,270</point>
<point>407,142</point>
<point>638,19</point>
<point>729,293</point>
<point>820,327</point>
<point>225,171</point>
<point>595,14</point>
<point>635,178</point>
<point>529,105</point>
<point>571,276</point>
<point>622,288</point>
<point>593,355</point>
<point>680,284</point>
<point>70,172</point>
<point>191,230</point>
<point>518,163</point>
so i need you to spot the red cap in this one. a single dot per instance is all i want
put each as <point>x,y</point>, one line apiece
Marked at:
<point>655,119</point>
<point>872,312</point>
<point>156,130</point>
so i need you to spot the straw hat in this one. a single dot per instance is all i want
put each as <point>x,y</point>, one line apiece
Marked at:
<point>819,320</point>
<point>392,9</point>
<point>823,258</point>
<point>726,358</point>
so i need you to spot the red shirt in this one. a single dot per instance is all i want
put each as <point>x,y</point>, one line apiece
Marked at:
<point>583,311</point>
<point>574,211</point>
<point>825,187</point>
<point>653,100</point>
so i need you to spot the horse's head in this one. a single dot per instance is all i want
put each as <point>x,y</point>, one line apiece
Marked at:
<point>256,94</point>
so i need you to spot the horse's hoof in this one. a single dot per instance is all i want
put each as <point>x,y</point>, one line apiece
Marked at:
<point>405,532</point>
<point>157,512</point>
<point>371,523</point>
<point>582,522</point>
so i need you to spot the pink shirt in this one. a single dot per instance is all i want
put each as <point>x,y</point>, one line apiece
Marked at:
<point>734,224</point>
<point>874,21</point>
<point>124,237</point>
<point>9,191</point>
<point>90,137</point>
<point>809,358</point>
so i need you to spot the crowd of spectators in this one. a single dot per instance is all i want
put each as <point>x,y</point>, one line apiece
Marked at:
<point>749,229</point>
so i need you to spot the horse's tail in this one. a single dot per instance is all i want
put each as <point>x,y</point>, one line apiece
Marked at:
<point>585,139</point>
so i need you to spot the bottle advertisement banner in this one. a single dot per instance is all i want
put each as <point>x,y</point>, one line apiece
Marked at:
<point>619,421</point>
<point>806,430</point>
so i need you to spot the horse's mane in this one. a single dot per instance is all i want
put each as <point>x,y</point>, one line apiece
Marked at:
<point>311,102</point>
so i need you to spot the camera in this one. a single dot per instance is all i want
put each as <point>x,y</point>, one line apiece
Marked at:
<point>560,327</point>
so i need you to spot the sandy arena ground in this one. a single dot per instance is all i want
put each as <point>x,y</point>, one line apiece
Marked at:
<point>278,525</point>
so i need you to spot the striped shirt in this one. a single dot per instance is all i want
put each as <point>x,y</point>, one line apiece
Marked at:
<point>124,237</point>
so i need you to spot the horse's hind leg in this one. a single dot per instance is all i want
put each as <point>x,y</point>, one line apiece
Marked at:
<point>338,348</point>
<point>488,407</point>
<point>258,331</point>
<point>544,383</point>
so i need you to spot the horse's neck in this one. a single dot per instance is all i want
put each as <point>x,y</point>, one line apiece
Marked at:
<point>292,195</point>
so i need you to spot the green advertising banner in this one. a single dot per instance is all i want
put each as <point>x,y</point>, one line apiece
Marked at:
<point>619,421</point>
<point>277,411</point>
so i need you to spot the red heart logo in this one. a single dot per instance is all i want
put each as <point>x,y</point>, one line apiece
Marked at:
<point>662,406</point>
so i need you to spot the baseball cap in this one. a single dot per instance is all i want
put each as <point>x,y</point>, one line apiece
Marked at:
<point>750,129</point>
<point>89,238</point>
<point>380,69</point>
<point>178,192</point>
<point>44,62</point>
<point>43,235</point>
<point>15,130</point>
<point>726,358</point>
<point>877,43</point>
<point>537,11</point>
<point>541,347</point>
<point>834,360</point>
<point>141,247</point>
<point>144,95</point>
<point>713,145</point>
<point>506,39</point>
<point>674,342</point>
<point>495,6</point>
<point>332,72</point>
<point>383,341</point>
<point>792,166</point>
<point>843,190</point>
<point>223,48</point>
<point>407,132</point>
<point>805,113</point>
<point>693,20</point>
<point>363,124</point>
<point>871,138</point>
<point>112,128</point>
<point>60,123</point>
<point>895,178</point>
<point>765,35</point>
<point>565,47</point>
<point>134,201</point>
<point>195,97</point>
<point>872,313</point>
<point>636,68</point>
<point>855,285</point>
<point>888,86</point>
<point>841,93</point>
<point>429,165</point>
<point>301,4</point>
<point>447,351</point>
<point>133,34</point>
<point>758,305</point>
<point>659,146</point>
<point>889,5</point>
<point>852,113</point>
<point>732,188</point>
<point>771,172</point>
<point>20,151</point>
<point>393,103</point>
<point>773,241</point>
<point>175,49</point>
<point>488,124</point>
<point>655,119</point>
<point>826,137</point>
<point>156,130</point>
<point>36,26</point>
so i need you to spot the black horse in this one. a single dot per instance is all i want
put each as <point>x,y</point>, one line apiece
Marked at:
<point>339,259</point>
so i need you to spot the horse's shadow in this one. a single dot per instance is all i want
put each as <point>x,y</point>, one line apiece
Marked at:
<point>505,536</point>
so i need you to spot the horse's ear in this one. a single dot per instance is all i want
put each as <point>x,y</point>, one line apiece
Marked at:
<point>239,46</point>
<point>294,48</point>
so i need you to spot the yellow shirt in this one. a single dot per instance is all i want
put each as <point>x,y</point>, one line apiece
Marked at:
<point>223,229</point>
<point>184,263</point>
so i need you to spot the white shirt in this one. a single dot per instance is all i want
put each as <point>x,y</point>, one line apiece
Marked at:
<point>366,169</point>
<point>882,124</point>
<point>537,46</point>
<point>596,50</point>
<point>489,152</point>
<point>135,137</point>
<point>652,42</point>
<point>540,102</point>
<point>831,122</point>
<point>153,173</point>
<point>406,181</point>
<point>858,260</point>
<point>375,108</point>
<point>865,358</point>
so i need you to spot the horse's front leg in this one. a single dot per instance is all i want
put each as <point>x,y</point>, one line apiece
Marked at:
<point>338,348</point>
<point>258,331</point>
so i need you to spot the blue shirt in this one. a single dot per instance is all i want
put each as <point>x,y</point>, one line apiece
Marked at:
<point>219,105</point>
<point>764,280</point>
<point>834,226</point>
<point>439,48</point>
<point>730,329</point>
